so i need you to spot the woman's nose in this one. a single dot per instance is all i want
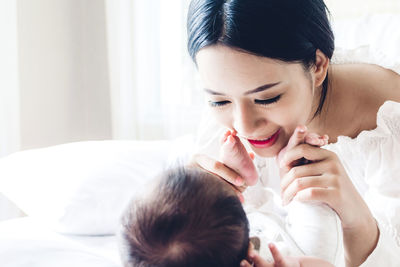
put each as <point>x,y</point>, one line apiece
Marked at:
<point>245,120</point>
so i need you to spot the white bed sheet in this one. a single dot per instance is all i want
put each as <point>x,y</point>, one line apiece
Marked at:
<point>24,242</point>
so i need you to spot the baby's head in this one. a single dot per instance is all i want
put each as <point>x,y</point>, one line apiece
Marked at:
<point>190,218</point>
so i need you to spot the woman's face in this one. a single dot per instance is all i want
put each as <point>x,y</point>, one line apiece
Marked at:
<point>264,100</point>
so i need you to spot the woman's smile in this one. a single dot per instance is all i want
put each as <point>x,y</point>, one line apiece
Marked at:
<point>264,143</point>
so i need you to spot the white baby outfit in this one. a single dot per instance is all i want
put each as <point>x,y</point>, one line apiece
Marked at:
<point>297,229</point>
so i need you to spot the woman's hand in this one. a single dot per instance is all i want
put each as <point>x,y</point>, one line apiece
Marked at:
<point>221,170</point>
<point>323,179</point>
<point>280,261</point>
<point>232,156</point>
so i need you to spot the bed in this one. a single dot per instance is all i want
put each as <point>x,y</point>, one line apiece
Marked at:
<point>74,195</point>
<point>26,242</point>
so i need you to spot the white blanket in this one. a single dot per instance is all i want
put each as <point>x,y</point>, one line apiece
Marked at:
<point>26,243</point>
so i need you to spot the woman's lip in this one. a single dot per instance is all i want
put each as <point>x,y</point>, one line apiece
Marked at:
<point>265,143</point>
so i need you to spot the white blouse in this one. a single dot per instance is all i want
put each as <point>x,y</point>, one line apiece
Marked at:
<point>372,161</point>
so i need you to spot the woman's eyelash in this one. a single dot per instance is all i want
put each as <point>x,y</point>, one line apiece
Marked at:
<point>268,101</point>
<point>262,102</point>
<point>217,104</point>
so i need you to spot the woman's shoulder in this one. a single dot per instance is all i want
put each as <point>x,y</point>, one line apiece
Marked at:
<point>364,89</point>
<point>371,82</point>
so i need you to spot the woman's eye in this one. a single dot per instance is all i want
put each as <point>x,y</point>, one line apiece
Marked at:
<point>268,101</point>
<point>217,104</point>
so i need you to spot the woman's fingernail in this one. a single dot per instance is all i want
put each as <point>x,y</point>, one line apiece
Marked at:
<point>241,198</point>
<point>302,129</point>
<point>239,181</point>
<point>252,254</point>
<point>271,246</point>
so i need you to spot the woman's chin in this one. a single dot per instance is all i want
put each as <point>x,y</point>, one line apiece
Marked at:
<point>269,152</point>
<point>266,153</point>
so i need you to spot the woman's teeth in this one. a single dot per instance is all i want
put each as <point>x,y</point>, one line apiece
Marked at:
<point>264,139</point>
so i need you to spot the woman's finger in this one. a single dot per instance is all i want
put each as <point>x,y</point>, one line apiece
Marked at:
<point>219,169</point>
<point>297,137</point>
<point>321,195</point>
<point>311,169</point>
<point>278,258</point>
<point>259,261</point>
<point>240,196</point>
<point>245,263</point>
<point>306,151</point>
<point>302,183</point>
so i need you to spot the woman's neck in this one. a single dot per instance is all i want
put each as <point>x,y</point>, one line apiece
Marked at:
<point>341,113</point>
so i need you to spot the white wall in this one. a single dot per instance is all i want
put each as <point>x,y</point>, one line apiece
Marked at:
<point>64,92</point>
<point>9,93</point>
<point>355,8</point>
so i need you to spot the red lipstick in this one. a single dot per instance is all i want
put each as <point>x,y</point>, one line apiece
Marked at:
<point>265,143</point>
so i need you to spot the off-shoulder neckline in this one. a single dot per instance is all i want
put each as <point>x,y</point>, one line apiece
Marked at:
<point>372,132</point>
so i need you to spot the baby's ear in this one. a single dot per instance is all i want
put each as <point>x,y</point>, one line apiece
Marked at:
<point>255,243</point>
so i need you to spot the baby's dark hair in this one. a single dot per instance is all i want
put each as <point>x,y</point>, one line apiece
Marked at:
<point>191,218</point>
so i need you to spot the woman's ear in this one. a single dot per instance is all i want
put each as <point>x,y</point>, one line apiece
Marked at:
<point>320,69</point>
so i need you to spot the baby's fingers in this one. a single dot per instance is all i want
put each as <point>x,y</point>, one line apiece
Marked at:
<point>316,140</point>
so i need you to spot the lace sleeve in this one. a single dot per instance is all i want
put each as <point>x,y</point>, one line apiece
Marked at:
<point>382,175</point>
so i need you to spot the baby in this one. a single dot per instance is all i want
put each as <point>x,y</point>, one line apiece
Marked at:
<point>190,218</point>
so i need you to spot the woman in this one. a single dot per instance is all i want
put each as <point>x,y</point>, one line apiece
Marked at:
<point>265,65</point>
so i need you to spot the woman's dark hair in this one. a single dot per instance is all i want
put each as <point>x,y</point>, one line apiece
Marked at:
<point>287,30</point>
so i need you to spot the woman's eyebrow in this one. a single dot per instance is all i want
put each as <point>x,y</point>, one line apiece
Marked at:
<point>257,90</point>
<point>261,88</point>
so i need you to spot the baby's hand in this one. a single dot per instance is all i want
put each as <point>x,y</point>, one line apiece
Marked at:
<point>234,155</point>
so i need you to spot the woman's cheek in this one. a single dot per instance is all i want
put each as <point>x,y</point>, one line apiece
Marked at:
<point>222,117</point>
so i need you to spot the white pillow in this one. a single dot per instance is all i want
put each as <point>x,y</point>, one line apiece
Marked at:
<point>82,188</point>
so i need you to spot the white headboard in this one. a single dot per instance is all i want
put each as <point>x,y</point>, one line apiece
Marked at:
<point>355,8</point>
